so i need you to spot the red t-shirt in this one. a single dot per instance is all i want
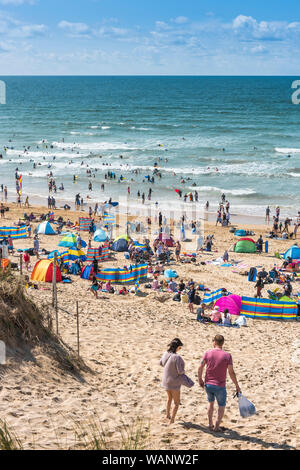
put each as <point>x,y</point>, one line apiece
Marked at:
<point>217,362</point>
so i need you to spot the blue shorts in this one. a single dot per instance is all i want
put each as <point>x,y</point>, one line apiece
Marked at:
<point>213,391</point>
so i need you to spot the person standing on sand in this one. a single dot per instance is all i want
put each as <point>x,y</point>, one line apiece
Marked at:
<point>36,247</point>
<point>173,365</point>
<point>177,251</point>
<point>268,211</point>
<point>217,363</point>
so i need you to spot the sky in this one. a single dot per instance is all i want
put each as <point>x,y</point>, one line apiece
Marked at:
<point>149,37</point>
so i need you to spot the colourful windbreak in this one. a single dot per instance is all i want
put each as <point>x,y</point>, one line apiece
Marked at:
<point>123,276</point>
<point>14,232</point>
<point>268,309</point>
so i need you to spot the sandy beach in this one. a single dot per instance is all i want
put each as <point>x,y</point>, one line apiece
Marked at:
<point>122,340</point>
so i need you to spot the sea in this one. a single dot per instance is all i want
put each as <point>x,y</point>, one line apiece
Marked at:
<point>234,135</point>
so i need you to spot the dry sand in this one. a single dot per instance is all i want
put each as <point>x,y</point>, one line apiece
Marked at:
<point>122,339</point>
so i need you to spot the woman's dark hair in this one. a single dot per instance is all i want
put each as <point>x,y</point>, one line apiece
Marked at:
<point>175,343</point>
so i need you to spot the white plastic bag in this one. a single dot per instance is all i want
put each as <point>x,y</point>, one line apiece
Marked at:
<point>246,407</point>
<point>241,321</point>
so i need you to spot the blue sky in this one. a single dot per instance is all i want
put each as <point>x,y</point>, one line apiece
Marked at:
<point>165,37</point>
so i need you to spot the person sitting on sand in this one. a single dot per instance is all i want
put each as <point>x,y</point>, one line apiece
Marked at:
<point>201,315</point>
<point>123,291</point>
<point>226,318</point>
<point>109,288</point>
<point>172,286</point>
<point>216,316</point>
<point>191,297</point>
<point>217,362</point>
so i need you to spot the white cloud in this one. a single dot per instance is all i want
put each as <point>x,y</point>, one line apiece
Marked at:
<point>249,28</point>
<point>17,2</point>
<point>180,20</point>
<point>74,29</point>
<point>29,31</point>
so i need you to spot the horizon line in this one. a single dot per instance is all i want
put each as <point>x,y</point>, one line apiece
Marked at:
<point>151,75</point>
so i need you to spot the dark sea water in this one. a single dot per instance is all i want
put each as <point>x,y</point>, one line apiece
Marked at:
<point>247,128</point>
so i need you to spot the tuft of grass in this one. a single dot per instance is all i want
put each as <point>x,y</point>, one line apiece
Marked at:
<point>8,440</point>
<point>134,436</point>
<point>91,435</point>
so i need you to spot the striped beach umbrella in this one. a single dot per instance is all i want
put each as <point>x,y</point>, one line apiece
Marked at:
<point>75,254</point>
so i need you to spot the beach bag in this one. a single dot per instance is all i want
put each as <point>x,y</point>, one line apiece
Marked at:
<point>186,381</point>
<point>241,321</point>
<point>184,299</point>
<point>246,407</point>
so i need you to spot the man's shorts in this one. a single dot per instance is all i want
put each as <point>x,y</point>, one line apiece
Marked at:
<point>214,392</point>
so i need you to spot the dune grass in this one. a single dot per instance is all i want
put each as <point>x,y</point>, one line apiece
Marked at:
<point>8,440</point>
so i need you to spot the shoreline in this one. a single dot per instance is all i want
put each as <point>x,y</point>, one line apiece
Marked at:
<point>138,210</point>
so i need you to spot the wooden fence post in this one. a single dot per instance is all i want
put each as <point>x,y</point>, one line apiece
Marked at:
<point>54,291</point>
<point>77,315</point>
<point>21,264</point>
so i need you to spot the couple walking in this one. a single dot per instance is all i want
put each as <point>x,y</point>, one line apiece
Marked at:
<point>216,361</point>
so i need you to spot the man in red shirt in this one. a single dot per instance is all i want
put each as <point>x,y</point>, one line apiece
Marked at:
<point>217,362</point>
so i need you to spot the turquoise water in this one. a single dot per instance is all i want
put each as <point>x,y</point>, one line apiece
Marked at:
<point>188,120</point>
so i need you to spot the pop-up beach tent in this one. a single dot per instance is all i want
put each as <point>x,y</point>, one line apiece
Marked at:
<point>245,246</point>
<point>231,302</point>
<point>120,245</point>
<point>45,229</point>
<point>43,271</point>
<point>100,236</point>
<point>293,252</point>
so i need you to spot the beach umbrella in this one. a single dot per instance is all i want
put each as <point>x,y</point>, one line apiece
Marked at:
<point>75,254</point>
<point>70,240</point>
<point>100,236</point>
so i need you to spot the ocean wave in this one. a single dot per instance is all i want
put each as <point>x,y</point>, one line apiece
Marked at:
<point>94,146</point>
<point>233,192</point>
<point>287,150</point>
